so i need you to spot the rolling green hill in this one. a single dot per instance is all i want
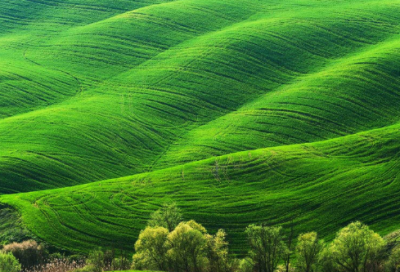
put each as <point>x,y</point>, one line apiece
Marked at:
<point>323,185</point>
<point>240,111</point>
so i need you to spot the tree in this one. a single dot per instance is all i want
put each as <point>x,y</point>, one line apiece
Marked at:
<point>95,260</point>
<point>8,263</point>
<point>307,251</point>
<point>246,265</point>
<point>188,247</point>
<point>151,249</point>
<point>289,244</point>
<point>108,257</point>
<point>393,263</point>
<point>267,247</point>
<point>356,248</point>
<point>326,261</point>
<point>217,252</point>
<point>169,216</point>
<point>120,263</point>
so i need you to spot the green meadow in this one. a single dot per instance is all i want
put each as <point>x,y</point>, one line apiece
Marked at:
<point>240,111</point>
<point>322,186</point>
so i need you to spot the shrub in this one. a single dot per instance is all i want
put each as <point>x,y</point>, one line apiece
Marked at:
<point>95,261</point>
<point>56,256</point>
<point>87,268</point>
<point>58,265</point>
<point>8,263</point>
<point>76,258</point>
<point>29,253</point>
<point>120,263</point>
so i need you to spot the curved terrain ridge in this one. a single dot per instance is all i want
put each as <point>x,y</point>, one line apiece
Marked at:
<point>173,82</point>
<point>322,185</point>
<point>171,91</point>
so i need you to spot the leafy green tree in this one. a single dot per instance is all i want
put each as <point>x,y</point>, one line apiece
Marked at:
<point>120,263</point>
<point>393,262</point>
<point>151,249</point>
<point>8,263</point>
<point>109,256</point>
<point>169,216</point>
<point>307,251</point>
<point>95,261</point>
<point>246,265</point>
<point>217,252</point>
<point>267,247</point>
<point>326,261</point>
<point>356,248</point>
<point>188,247</point>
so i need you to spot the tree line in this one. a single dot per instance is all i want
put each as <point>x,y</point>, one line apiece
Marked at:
<point>168,243</point>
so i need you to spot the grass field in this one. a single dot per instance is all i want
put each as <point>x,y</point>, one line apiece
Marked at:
<point>241,111</point>
<point>322,185</point>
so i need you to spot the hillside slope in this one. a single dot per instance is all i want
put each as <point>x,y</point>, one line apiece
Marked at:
<point>322,186</point>
<point>241,111</point>
<point>142,88</point>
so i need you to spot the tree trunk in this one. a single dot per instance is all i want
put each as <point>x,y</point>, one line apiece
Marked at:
<point>287,261</point>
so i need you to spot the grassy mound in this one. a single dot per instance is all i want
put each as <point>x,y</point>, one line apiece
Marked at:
<point>322,186</point>
<point>152,87</point>
<point>239,110</point>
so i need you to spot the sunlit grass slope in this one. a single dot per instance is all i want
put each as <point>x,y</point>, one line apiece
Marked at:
<point>104,89</point>
<point>239,110</point>
<point>322,186</point>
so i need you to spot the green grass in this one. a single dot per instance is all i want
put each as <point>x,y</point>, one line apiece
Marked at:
<point>240,111</point>
<point>161,85</point>
<point>324,185</point>
<point>11,226</point>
